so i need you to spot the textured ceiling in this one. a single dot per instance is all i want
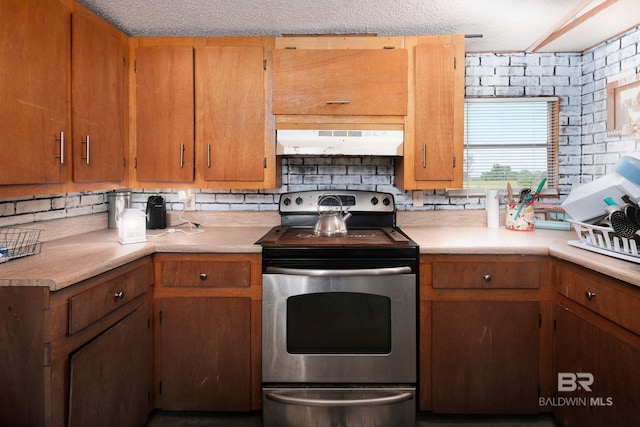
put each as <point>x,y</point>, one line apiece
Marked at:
<point>506,25</point>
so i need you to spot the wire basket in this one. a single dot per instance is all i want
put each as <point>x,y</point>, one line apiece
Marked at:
<point>18,243</point>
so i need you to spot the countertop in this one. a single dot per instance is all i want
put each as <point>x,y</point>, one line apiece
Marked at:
<point>65,261</point>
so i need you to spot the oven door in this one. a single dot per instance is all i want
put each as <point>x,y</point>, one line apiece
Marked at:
<point>339,326</point>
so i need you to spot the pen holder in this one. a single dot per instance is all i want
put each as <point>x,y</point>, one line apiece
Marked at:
<point>526,218</point>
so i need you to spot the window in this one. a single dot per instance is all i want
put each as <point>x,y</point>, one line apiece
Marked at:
<point>511,140</point>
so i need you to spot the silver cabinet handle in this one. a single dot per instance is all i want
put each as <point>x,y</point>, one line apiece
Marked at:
<point>590,295</point>
<point>61,140</point>
<point>208,155</point>
<point>424,156</point>
<point>118,295</point>
<point>181,155</point>
<point>346,272</point>
<point>337,101</point>
<point>377,401</point>
<point>203,276</point>
<point>86,157</point>
<point>486,277</point>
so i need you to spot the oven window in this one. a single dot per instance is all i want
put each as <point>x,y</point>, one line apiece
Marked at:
<point>339,323</point>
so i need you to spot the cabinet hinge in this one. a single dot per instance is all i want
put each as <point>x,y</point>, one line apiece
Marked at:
<point>555,324</point>
<point>264,64</point>
<point>148,323</point>
<point>160,388</point>
<point>264,163</point>
<point>124,61</point>
<point>160,317</point>
<point>454,162</point>
<point>135,66</point>
<point>290,47</point>
<point>389,47</point>
<point>455,63</point>
<point>124,162</point>
<point>135,163</point>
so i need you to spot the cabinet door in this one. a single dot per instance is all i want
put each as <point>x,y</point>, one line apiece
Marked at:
<point>485,356</point>
<point>232,78</point>
<point>434,112</point>
<point>35,43</point>
<point>582,348</point>
<point>165,114</point>
<point>367,82</point>
<point>205,354</point>
<point>434,138</point>
<point>110,378</point>
<point>98,69</point>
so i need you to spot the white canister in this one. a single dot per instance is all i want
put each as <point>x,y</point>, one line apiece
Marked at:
<point>133,227</point>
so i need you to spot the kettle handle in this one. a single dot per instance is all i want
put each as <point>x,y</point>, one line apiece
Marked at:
<point>325,197</point>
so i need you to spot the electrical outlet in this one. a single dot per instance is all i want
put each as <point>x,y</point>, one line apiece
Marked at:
<point>188,199</point>
<point>418,198</point>
<point>190,202</point>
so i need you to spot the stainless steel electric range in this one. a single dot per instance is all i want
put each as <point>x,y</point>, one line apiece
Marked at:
<point>339,314</point>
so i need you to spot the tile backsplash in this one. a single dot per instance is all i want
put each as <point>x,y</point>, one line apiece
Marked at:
<point>586,152</point>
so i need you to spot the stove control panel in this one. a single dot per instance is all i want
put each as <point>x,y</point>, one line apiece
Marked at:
<point>323,200</point>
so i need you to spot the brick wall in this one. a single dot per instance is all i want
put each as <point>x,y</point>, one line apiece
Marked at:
<point>586,152</point>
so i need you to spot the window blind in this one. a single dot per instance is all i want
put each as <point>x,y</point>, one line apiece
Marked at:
<point>511,140</point>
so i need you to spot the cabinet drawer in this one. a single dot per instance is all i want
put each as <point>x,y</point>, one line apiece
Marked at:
<point>480,274</point>
<point>97,302</point>
<point>615,300</point>
<point>214,273</point>
<point>368,82</point>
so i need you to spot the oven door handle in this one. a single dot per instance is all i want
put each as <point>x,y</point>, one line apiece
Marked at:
<point>346,272</point>
<point>377,401</point>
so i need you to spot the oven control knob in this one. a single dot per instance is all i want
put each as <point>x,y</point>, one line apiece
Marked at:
<point>286,201</point>
<point>299,201</point>
<point>374,201</point>
<point>386,201</point>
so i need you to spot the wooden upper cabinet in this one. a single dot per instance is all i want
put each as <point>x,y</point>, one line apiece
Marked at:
<point>165,131</point>
<point>98,67</point>
<point>233,112</point>
<point>434,135</point>
<point>35,49</point>
<point>435,111</point>
<point>364,82</point>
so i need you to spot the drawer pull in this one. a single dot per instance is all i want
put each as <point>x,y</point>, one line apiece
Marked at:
<point>118,295</point>
<point>486,277</point>
<point>203,276</point>
<point>590,295</point>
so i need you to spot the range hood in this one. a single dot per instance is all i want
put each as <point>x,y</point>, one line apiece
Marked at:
<point>335,142</point>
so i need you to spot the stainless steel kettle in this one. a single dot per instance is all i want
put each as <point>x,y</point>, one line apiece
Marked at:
<point>331,222</point>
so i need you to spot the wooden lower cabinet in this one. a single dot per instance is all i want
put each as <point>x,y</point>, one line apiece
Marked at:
<point>204,354</point>
<point>485,356</point>
<point>606,362</point>
<point>597,349</point>
<point>94,371</point>
<point>485,333</point>
<point>208,332</point>
<point>109,381</point>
